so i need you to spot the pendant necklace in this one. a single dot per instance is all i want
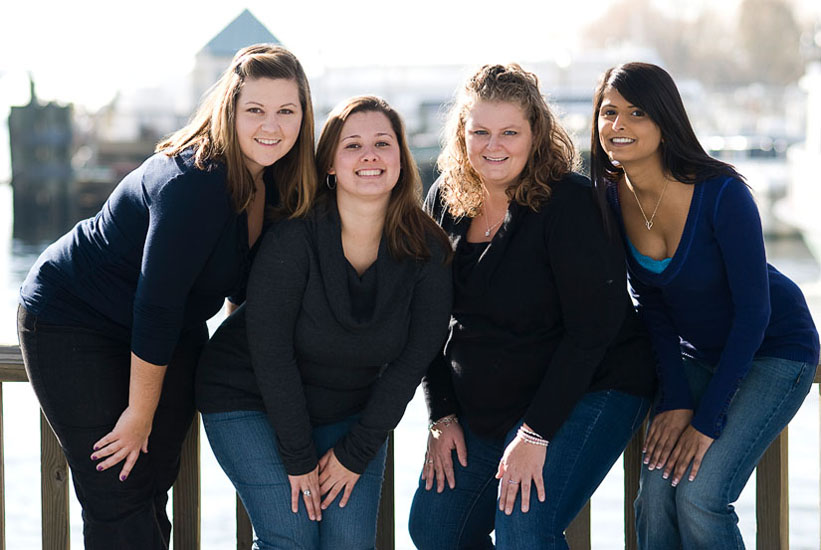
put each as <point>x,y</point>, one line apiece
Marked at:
<point>489,228</point>
<point>649,222</point>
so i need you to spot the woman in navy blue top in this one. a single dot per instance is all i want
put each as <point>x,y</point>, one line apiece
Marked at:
<point>736,345</point>
<point>112,315</point>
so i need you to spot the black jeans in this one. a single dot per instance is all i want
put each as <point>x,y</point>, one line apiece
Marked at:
<point>81,379</point>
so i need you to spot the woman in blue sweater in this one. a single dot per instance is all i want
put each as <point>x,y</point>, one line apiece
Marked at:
<point>736,345</point>
<point>112,315</point>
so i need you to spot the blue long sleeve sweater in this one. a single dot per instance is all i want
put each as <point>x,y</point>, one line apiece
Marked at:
<point>719,301</point>
<point>160,256</point>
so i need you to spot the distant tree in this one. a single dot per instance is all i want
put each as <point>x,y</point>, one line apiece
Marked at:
<point>770,39</point>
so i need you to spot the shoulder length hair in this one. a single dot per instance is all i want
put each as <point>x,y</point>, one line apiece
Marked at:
<point>407,226</point>
<point>552,154</point>
<point>212,132</point>
<point>651,89</point>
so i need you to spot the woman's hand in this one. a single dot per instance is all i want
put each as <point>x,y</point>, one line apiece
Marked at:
<point>521,465</point>
<point>306,485</point>
<point>691,447</point>
<point>124,442</point>
<point>664,432</point>
<point>442,441</point>
<point>333,478</point>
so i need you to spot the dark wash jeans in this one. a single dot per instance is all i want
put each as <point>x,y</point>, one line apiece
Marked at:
<point>81,377</point>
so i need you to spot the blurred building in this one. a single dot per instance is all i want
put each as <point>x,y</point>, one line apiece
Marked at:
<point>215,56</point>
<point>40,139</point>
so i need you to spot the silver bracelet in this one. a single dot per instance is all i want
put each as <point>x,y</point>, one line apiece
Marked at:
<point>442,422</point>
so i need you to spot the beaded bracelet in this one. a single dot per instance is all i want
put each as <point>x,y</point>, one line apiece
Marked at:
<point>531,437</point>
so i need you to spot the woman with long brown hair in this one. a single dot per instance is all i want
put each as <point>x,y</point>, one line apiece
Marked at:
<point>112,316</point>
<point>346,308</point>
<point>546,373</point>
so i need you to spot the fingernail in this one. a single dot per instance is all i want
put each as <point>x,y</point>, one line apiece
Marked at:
<point>647,460</point>
<point>96,448</point>
<point>93,457</point>
<point>100,468</point>
<point>651,467</point>
<point>691,478</point>
<point>665,475</point>
<point>123,477</point>
<point>675,482</point>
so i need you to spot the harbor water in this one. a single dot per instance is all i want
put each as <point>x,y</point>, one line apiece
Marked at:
<point>21,432</point>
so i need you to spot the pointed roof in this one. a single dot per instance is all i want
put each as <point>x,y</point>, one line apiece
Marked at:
<point>242,31</point>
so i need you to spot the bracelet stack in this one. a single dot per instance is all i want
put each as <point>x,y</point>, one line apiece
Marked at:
<point>529,436</point>
<point>436,427</point>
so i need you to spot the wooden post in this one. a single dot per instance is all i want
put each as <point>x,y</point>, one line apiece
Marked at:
<point>772,497</point>
<point>53,490</point>
<point>578,534</point>
<point>245,535</point>
<point>2,478</point>
<point>632,472</point>
<point>186,506</point>
<point>385,522</point>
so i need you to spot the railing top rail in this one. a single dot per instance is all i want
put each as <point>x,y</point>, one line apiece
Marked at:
<point>11,366</point>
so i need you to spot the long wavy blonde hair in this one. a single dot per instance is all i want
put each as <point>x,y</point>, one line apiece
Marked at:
<point>212,131</point>
<point>552,153</point>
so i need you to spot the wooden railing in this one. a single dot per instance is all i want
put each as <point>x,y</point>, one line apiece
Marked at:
<point>772,502</point>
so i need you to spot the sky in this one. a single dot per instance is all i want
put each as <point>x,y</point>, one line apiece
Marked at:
<point>83,51</point>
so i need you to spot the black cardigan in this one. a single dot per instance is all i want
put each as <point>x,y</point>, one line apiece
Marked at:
<point>318,354</point>
<point>543,317</point>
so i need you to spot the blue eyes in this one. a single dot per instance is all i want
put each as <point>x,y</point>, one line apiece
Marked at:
<point>485,133</point>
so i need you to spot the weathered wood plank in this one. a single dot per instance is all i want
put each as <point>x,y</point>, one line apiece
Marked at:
<point>632,472</point>
<point>245,532</point>
<point>187,495</point>
<point>11,365</point>
<point>2,479</point>
<point>772,497</point>
<point>578,534</point>
<point>53,490</point>
<point>385,521</point>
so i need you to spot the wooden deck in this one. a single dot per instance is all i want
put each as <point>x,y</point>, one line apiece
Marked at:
<point>772,502</point>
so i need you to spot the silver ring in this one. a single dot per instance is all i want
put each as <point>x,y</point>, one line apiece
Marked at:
<point>511,482</point>
<point>306,492</point>
<point>430,461</point>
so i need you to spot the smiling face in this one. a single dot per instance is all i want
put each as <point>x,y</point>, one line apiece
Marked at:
<point>498,140</point>
<point>268,119</point>
<point>626,133</point>
<point>367,158</point>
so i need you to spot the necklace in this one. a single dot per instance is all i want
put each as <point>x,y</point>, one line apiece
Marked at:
<point>489,228</point>
<point>649,222</point>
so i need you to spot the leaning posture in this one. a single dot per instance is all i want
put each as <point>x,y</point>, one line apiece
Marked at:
<point>346,307</point>
<point>112,315</point>
<point>736,345</point>
<point>547,372</point>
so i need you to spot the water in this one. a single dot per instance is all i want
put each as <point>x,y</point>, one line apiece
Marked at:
<point>21,431</point>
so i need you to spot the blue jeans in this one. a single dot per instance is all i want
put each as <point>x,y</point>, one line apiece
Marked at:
<point>578,458</point>
<point>244,444</point>
<point>699,514</point>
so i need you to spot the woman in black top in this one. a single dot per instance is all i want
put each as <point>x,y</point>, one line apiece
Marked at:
<point>546,373</point>
<point>345,310</point>
<point>112,315</point>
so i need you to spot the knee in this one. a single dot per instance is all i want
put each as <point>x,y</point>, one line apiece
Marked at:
<point>696,500</point>
<point>422,522</point>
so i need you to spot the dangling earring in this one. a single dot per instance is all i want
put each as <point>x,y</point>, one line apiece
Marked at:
<point>330,181</point>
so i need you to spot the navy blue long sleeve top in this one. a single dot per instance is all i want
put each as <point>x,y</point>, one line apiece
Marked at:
<point>719,301</point>
<point>161,255</point>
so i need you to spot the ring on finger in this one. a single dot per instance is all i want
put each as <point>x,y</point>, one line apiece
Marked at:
<point>306,492</point>
<point>430,461</point>
<point>511,482</point>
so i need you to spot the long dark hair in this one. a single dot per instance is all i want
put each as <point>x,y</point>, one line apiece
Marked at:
<point>651,89</point>
<point>407,227</point>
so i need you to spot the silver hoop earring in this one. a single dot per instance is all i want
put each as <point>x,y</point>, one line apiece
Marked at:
<point>330,181</point>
